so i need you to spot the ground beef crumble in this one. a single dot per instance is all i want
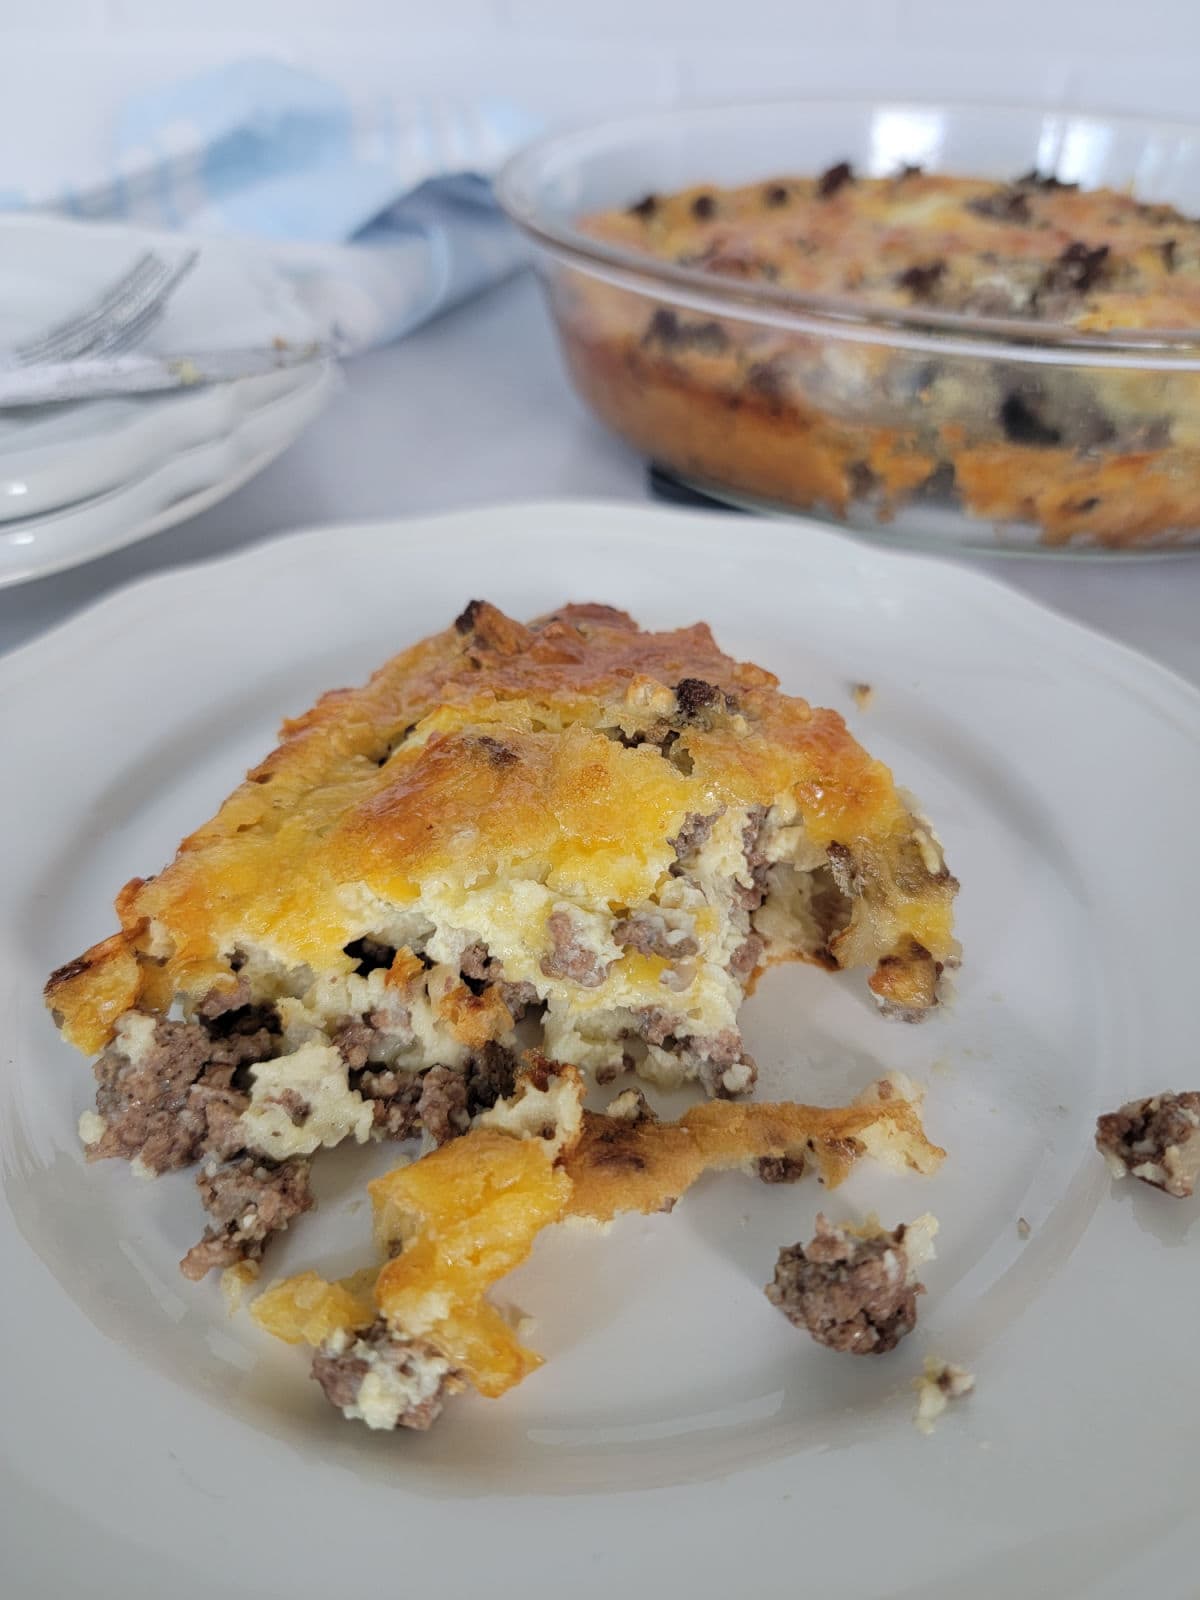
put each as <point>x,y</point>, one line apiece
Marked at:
<point>219,1001</point>
<point>693,835</point>
<point>1007,204</point>
<point>341,1372</point>
<point>851,1294</point>
<point>518,997</point>
<point>394,1097</point>
<point>354,1040</point>
<point>1079,268</point>
<point>724,1067</point>
<point>185,1093</point>
<point>781,1169</point>
<point>695,698</point>
<point>442,1108</point>
<point>476,965</point>
<point>491,1076</point>
<point>297,1107</point>
<point>221,1105</point>
<point>649,936</point>
<point>921,279</point>
<point>569,957</point>
<point>479,969</point>
<point>249,1199</point>
<point>748,897</point>
<point>746,957</point>
<point>1156,1139</point>
<point>631,1105</point>
<point>835,178</point>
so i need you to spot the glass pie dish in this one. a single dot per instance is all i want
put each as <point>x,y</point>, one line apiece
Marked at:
<point>920,422</point>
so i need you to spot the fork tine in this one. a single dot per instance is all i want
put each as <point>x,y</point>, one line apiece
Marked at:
<point>74,334</point>
<point>124,336</point>
<point>128,331</point>
<point>93,327</point>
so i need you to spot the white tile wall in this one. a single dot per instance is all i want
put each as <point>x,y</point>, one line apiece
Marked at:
<point>65,63</point>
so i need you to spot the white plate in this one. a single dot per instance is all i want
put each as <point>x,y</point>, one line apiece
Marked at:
<point>682,1437</point>
<point>53,456</point>
<point>182,482</point>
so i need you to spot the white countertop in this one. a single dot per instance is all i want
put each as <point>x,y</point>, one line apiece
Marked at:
<point>475,408</point>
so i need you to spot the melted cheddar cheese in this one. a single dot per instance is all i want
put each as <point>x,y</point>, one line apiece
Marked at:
<point>490,777</point>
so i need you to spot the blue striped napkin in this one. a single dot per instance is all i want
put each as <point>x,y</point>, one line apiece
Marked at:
<point>379,209</point>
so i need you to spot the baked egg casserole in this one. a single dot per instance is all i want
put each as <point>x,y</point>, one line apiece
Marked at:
<point>994,368</point>
<point>596,833</point>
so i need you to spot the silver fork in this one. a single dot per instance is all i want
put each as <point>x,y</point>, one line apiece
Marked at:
<point>119,318</point>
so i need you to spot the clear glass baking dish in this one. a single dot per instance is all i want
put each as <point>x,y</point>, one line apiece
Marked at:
<point>927,428</point>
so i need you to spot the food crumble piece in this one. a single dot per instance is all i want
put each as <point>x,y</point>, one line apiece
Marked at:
<point>631,1105</point>
<point>384,1380</point>
<point>782,1169</point>
<point>940,1383</point>
<point>449,1226</point>
<point>235,1281</point>
<point>633,1163</point>
<point>862,694</point>
<point>1156,1139</point>
<point>853,1292</point>
<point>249,1199</point>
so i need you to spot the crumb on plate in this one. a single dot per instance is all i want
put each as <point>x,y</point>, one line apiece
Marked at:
<point>235,1280</point>
<point>940,1383</point>
<point>1156,1139</point>
<point>854,1288</point>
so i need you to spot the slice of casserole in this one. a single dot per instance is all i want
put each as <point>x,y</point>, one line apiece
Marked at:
<point>604,831</point>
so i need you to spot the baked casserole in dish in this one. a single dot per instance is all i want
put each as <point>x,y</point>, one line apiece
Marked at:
<point>950,326</point>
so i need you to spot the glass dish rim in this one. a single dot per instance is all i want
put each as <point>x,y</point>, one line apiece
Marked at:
<point>840,317</point>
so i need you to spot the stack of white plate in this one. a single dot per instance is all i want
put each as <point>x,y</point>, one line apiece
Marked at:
<point>80,479</point>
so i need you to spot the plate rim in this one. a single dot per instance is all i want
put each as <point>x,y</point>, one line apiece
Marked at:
<point>203,407</point>
<point>308,399</point>
<point>815,534</point>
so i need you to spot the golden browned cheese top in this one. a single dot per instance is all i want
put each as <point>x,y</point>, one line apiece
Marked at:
<point>1033,248</point>
<point>488,753</point>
